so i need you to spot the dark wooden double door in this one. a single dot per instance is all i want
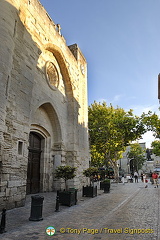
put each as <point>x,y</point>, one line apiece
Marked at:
<point>33,171</point>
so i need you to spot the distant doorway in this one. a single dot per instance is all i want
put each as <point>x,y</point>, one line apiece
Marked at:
<point>132,167</point>
<point>33,171</point>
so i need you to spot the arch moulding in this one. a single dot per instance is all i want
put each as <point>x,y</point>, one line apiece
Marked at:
<point>58,54</point>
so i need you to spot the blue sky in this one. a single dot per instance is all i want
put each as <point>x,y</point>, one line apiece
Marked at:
<point>120,40</point>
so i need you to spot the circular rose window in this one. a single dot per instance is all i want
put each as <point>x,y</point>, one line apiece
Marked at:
<point>52,74</point>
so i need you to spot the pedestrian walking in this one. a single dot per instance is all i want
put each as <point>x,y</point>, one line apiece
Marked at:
<point>142,177</point>
<point>145,180</point>
<point>155,179</point>
<point>150,176</point>
<point>136,177</point>
<point>123,178</point>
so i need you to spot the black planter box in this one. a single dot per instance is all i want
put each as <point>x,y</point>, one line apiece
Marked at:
<point>68,198</point>
<point>101,185</point>
<point>105,186</point>
<point>89,191</point>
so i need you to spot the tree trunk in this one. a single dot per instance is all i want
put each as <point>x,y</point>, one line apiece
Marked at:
<point>116,171</point>
<point>66,185</point>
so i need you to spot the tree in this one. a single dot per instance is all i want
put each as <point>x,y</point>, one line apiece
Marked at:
<point>111,130</point>
<point>97,159</point>
<point>156,147</point>
<point>152,123</point>
<point>136,154</point>
<point>66,173</point>
<point>91,172</point>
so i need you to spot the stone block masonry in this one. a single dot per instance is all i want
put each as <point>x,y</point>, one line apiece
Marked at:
<point>43,103</point>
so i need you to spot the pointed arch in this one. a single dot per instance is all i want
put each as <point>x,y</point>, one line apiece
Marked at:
<point>53,119</point>
<point>58,54</point>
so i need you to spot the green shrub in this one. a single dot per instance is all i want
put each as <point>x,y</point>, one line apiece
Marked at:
<point>91,172</point>
<point>106,180</point>
<point>66,173</point>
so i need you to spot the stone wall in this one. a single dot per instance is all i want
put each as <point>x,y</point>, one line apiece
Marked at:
<point>43,90</point>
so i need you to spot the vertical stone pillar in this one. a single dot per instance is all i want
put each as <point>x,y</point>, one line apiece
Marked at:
<point>7,28</point>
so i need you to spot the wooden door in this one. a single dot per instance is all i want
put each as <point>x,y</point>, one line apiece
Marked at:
<point>33,172</point>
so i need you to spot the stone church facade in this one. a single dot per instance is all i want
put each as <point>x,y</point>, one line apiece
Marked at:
<point>43,103</point>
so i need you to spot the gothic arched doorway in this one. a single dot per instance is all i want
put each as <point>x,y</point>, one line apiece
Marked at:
<point>33,171</point>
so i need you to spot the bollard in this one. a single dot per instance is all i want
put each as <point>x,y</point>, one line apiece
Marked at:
<point>57,204</point>
<point>3,221</point>
<point>36,208</point>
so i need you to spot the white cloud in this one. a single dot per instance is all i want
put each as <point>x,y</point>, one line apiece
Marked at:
<point>148,138</point>
<point>139,109</point>
<point>114,101</point>
<point>117,98</point>
<point>101,100</point>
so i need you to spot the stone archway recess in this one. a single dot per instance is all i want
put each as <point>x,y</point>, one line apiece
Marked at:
<point>53,138</point>
<point>73,105</point>
<point>43,136</point>
<point>62,62</point>
<point>57,52</point>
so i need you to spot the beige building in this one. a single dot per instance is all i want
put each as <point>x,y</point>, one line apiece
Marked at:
<point>43,103</point>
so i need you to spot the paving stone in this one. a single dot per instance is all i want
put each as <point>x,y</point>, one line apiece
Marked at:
<point>125,214</point>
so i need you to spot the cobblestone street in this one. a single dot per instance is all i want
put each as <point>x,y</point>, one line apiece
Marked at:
<point>129,211</point>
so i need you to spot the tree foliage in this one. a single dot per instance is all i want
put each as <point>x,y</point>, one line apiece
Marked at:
<point>112,129</point>
<point>152,123</point>
<point>91,172</point>
<point>136,154</point>
<point>156,147</point>
<point>97,158</point>
<point>66,173</point>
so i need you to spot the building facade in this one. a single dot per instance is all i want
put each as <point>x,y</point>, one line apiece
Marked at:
<point>43,103</point>
<point>151,164</point>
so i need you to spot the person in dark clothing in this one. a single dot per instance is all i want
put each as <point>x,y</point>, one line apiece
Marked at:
<point>136,177</point>
<point>142,177</point>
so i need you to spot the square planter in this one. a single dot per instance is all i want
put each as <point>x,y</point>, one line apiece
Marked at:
<point>89,191</point>
<point>101,185</point>
<point>68,198</point>
<point>105,186</point>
